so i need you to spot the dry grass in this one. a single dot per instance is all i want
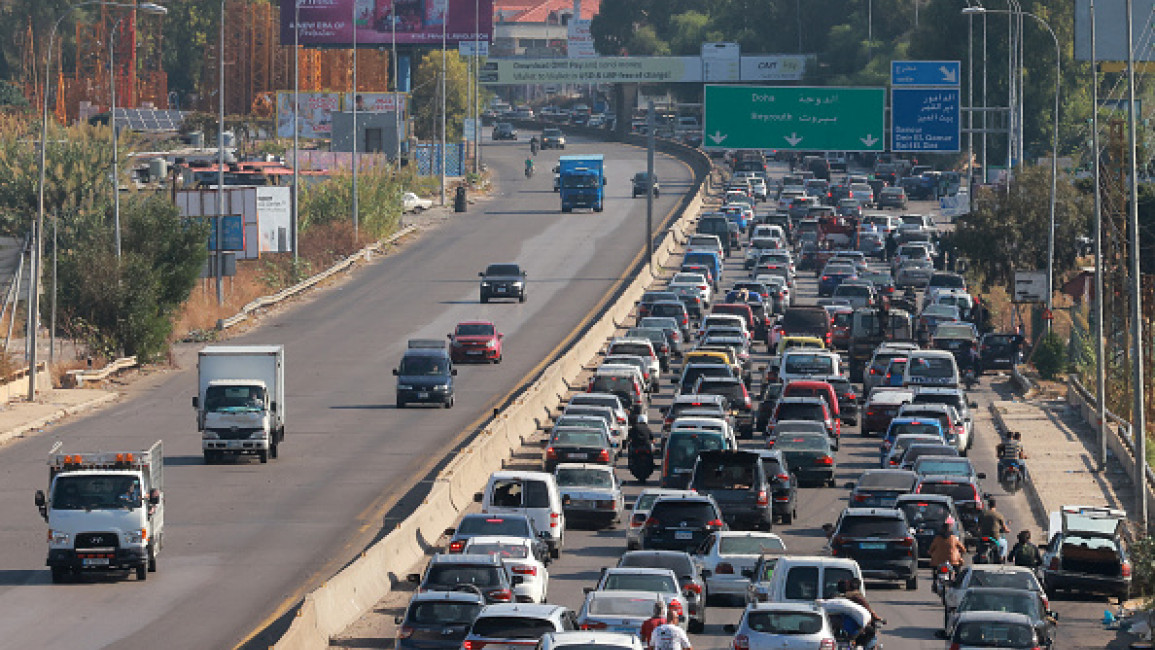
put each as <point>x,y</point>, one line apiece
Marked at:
<point>201,311</point>
<point>60,369</point>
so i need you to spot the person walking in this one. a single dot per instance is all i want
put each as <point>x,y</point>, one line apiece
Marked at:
<point>669,636</point>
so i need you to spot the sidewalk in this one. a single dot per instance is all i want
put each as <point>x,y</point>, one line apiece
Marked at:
<point>1061,461</point>
<point>19,417</point>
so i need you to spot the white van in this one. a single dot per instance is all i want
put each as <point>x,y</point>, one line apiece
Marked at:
<point>931,368</point>
<point>805,578</point>
<point>533,494</point>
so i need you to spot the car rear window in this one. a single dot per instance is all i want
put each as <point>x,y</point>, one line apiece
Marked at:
<point>802,443</point>
<point>447,612</point>
<point>576,476</point>
<point>871,526</point>
<point>784,622</point>
<point>631,348</point>
<point>462,574</point>
<point>516,493</point>
<point>581,438</point>
<point>680,564</point>
<point>960,467</point>
<point>956,491</point>
<point>918,512</point>
<point>511,627</point>
<point>694,513</point>
<point>928,428</point>
<point>808,364</point>
<point>805,318</point>
<point>886,480</point>
<point>496,526</point>
<point>932,366</point>
<point>609,604</point>
<point>800,411</point>
<point>640,582</point>
<point>749,545</point>
<point>712,474</point>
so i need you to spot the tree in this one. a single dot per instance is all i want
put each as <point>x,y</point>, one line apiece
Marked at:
<point>1008,229</point>
<point>125,306</point>
<point>426,98</point>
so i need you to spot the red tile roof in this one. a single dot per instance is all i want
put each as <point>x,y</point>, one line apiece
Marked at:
<point>537,11</point>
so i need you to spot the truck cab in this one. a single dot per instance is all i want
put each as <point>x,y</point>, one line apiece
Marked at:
<point>240,400</point>
<point>104,510</point>
<point>425,374</point>
<point>582,180</point>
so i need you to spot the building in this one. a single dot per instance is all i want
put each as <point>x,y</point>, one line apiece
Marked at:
<point>536,28</point>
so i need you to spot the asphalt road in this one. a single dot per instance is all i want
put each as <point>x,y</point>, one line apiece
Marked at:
<point>244,538</point>
<point>913,617</point>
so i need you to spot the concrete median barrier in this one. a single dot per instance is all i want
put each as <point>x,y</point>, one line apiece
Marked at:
<point>339,602</point>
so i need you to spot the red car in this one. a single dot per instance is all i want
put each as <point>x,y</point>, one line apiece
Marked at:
<point>475,341</point>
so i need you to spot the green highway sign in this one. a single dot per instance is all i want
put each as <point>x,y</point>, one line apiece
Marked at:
<point>792,117</point>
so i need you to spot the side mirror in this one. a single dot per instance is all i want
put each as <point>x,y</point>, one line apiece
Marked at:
<point>973,405</point>
<point>398,620</point>
<point>449,532</point>
<point>850,485</point>
<point>196,402</point>
<point>543,535</point>
<point>603,181</point>
<point>730,628</point>
<point>523,274</point>
<point>981,475</point>
<point>449,336</point>
<point>586,590</point>
<point>500,336</point>
<point>394,372</point>
<point>273,407</point>
<point>828,530</point>
<point>453,372</point>
<point>748,573</point>
<point>413,577</point>
<point>565,501</point>
<point>480,275</point>
<point>477,497</point>
<point>41,501</point>
<point>706,573</point>
<point>1053,614</point>
<point>154,497</point>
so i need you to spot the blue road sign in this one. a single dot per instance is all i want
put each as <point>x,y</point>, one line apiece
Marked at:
<point>924,119</point>
<point>233,235</point>
<point>924,73</point>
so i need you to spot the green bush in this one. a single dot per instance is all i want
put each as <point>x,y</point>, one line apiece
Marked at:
<point>1051,357</point>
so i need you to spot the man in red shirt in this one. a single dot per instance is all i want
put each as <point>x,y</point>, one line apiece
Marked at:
<point>658,619</point>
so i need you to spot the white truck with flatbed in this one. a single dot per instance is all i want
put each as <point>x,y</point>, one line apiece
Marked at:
<point>240,400</point>
<point>105,511</point>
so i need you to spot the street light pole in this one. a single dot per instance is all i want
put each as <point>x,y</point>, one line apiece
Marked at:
<point>296,129</point>
<point>218,254</point>
<point>38,227</point>
<point>1100,363</point>
<point>444,22</point>
<point>1138,406</point>
<point>115,144</point>
<point>356,134</point>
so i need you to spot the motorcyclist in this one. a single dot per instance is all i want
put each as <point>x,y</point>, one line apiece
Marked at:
<point>533,145</point>
<point>946,548</point>
<point>1010,452</point>
<point>1024,553</point>
<point>528,167</point>
<point>851,589</point>
<point>992,524</point>
<point>640,448</point>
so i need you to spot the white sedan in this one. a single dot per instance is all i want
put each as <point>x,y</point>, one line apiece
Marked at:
<point>410,202</point>
<point>726,554</point>
<point>516,554</point>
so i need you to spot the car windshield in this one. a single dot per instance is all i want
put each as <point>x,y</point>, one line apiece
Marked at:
<point>517,551</point>
<point>234,399</point>
<point>994,634</point>
<point>641,582</point>
<point>107,492</point>
<point>852,526</point>
<point>503,269</point>
<point>605,604</point>
<point>511,627</point>
<point>580,181</point>
<point>443,612</point>
<point>428,366</point>
<point>788,623</point>
<point>495,526</point>
<point>580,477</point>
<point>749,545</point>
<point>924,512</point>
<point>475,329</point>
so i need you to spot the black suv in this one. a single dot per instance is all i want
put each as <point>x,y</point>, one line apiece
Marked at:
<point>504,131</point>
<point>552,139</point>
<point>639,182</point>
<point>486,572</point>
<point>879,539</point>
<point>783,485</point>
<point>716,225</point>
<point>502,281</point>
<point>437,620</point>
<point>738,484</point>
<point>681,523</point>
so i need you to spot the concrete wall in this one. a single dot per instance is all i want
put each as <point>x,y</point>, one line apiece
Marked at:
<point>344,598</point>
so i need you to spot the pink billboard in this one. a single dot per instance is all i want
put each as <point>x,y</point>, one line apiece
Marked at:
<point>328,23</point>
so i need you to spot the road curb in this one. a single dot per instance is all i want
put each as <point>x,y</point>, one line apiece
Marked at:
<point>1038,508</point>
<point>41,422</point>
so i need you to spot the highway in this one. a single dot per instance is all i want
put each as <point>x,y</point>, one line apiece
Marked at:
<point>913,617</point>
<point>244,539</point>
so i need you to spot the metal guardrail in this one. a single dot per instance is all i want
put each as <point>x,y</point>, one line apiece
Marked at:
<point>1122,427</point>
<point>78,377</point>
<point>267,301</point>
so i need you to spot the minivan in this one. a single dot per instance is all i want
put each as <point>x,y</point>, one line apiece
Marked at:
<point>681,451</point>
<point>533,494</point>
<point>931,368</point>
<point>805,578</point>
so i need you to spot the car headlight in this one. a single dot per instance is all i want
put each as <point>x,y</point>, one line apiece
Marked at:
<point>485,283</point>
<point>442,387</point>
<point>404,387</point>
<point>139,536</point>
<point>210,435</point>
<point>59,538</point>
<point>259,434</point>
<point>491,343</point>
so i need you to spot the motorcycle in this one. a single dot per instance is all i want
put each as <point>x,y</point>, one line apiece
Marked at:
<point>529,172</point>
<point>1011,476</point>
<point>969,378</point>
<point>987,551</point>
<point>641,460</point>
<point>943,575</point>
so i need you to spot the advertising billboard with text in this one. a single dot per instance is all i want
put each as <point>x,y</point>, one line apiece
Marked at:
<point>329,23</point>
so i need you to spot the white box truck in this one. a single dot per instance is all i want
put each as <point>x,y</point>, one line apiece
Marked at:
<point>240,400</point>
<point>105,511</point>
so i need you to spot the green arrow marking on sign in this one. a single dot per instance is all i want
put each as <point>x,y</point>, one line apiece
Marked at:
<point>811,119</point>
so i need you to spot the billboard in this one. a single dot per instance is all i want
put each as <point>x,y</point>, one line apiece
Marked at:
<point>1111,30</point>
<point>773,67</point>
<point>580,44</point>
<point>371,102</point>
<point>327,23</point>
<point>314,114</point>
<point>606,69</point>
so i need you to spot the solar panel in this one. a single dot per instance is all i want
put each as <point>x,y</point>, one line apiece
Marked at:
<point>150,119</point>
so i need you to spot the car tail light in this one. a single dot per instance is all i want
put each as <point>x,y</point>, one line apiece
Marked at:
<point>906,542</point>
<point>724,568</point>
<point>553,519</point>
<point>826,278</point>
<point>1126,569</point>
<point>524,569</point>
<point>652,523</point>
<point>594,625</point>
<point>638,520</point>
<point>714,524</point>
<point>741,642</point>
<point>762,498</point>
<point>955,646</point>
<point>476,645</point>
<point>824,460</point>
<point>826,644</point>
<point>745,396</point>
<point>500,595</point>
<point>873,371</point>
<point>859,498</point>
<point>456,546</point>
<point>851,396</point>
<point>550,453</point>
<point>692,588</point>
<point>603,456</point>
<point>404,632</point>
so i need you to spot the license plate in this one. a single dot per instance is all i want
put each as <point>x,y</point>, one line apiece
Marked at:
<point>422,395</point>
<point>581,503</point>
<point>872,546</point>
<point>683,534</point>
<point>577,456</point>
<point>474,352</point>
<point>94,561</point>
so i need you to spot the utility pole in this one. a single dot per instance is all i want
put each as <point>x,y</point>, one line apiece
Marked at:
<point>356,134</point>
<point>650,127</point>
<point>296,129</point>
<point>218,254</point>
<point>1100,362</point>
<point>444,22</point>
<point>1138,416</point>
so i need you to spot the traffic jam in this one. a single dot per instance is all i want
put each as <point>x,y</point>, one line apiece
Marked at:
<point>776,452</point>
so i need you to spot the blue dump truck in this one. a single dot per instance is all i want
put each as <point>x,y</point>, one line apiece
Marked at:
<point>581,180</point>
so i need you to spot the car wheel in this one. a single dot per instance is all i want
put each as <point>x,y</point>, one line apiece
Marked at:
<point>60,575</point>
<point>400,403</point>
<point>484,298</point>
<point>912,582</point>
<point>521,298</point>
<point>830,482</point>
<point>449,402</point>
<point>696,626</point>
<point>788,518</point>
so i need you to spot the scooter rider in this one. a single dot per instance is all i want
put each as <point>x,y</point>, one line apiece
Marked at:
<point>1025,553</point>
<point>640,448</point>
<point>946,548</point>
<point>528,167</point>
<point>533,146</point>
<point>1010,452</point>
<point>992,524</point>
<point>851,589</point>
